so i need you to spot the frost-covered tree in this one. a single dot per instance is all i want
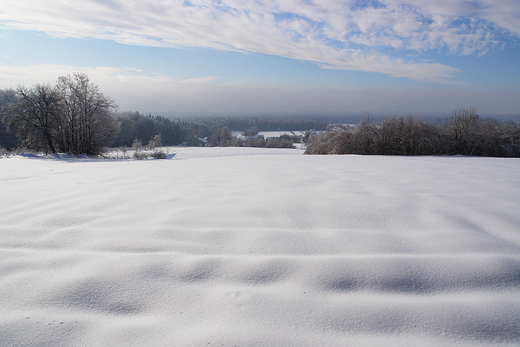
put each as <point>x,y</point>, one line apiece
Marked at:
<point>8,137</point>
<point>36,117</point>
<point>463,129</point>
<point>86,124</point>
<point>72,117</point>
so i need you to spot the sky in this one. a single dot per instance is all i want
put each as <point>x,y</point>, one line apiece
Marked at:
<point>237,57</point>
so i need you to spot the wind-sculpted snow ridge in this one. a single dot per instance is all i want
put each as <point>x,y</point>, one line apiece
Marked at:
<point>260,247</point>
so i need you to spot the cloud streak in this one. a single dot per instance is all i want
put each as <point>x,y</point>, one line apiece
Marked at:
<point>386,36</point>
<point>198,80</point>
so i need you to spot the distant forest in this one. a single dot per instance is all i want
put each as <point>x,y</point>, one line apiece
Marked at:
<point>217,130</point>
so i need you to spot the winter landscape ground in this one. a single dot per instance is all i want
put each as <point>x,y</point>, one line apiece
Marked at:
<point>260,247</point>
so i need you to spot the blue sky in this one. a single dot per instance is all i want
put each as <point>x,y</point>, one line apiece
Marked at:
<point>175,58</point>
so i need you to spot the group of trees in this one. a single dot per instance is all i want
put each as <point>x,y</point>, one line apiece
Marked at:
<point>463,133</point>
<point>72,116</point>
<point>135,126</point>
<point>284,141</point>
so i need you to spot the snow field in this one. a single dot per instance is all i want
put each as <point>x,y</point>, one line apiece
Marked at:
<point>247,247</point>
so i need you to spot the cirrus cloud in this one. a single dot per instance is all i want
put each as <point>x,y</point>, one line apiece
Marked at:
<point>350,35</point>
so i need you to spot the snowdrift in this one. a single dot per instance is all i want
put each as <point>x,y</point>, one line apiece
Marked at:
<point>260,247</point>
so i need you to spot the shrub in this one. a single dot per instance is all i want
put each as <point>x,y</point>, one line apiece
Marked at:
<point>159,155</point>
<point>464,133</point>
<point>138,155</point>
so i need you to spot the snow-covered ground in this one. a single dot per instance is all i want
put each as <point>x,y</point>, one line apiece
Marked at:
<point>260,247</point>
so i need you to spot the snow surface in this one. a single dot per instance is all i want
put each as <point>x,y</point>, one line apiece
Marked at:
<point>260,247</point>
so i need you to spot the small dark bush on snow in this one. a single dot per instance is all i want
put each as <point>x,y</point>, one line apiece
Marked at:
<point>159,155</point>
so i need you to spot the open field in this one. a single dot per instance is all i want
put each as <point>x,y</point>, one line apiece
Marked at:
<point>260,247</point>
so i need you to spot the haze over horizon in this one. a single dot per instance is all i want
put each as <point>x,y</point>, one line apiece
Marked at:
<point>273,57</point>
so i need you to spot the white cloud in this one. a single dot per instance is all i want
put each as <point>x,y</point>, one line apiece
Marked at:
<point>13,75</point>
<point>205,79</point>
<point>332,33</point>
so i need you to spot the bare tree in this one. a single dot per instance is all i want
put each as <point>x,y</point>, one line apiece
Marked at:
<point>86,125</point>
<point>8,137</point>
<point>73,117</point>
<point>464,129</point>
<point>35,117</point>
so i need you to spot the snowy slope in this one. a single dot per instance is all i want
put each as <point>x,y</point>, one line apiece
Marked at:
<point>260,247</point>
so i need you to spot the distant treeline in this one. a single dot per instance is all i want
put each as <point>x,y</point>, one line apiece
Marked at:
<point>134,125</point>
<point>464,133</point>
<point>282,123</point>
